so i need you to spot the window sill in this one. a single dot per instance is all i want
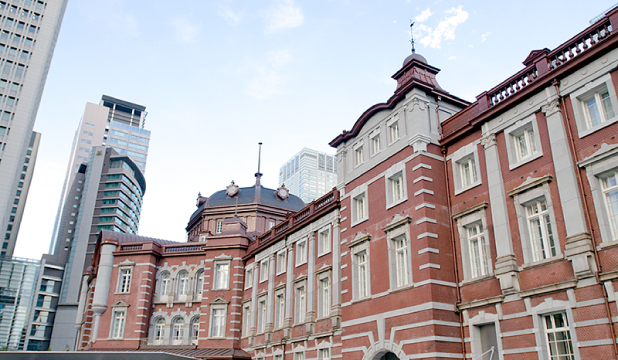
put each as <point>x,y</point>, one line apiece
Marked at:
<point>122,293</point>
<point>221,289</point>
<point>550,260</point>
<point>324,253</point>
<point>360,221</point>
<point>592,130</point>
<point>526,160</point>
<point>355,301</point>
<point>263,280</point>
<point>478,279</point>
<point>300,263</point>
<point>401,288</point>
<point>463,190</point>
<point>607,244</point>
<point>402,200</point>
<point>279,273</point>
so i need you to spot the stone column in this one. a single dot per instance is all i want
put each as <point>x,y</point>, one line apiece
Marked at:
<point>506,264</point>
<point>269,301</point>
<point>310,317</point>
<point>335,309</point>
<point>101,291</point>
<point>83,295</point>
<point>253,327</point>
<point>289,294</point>
<point>578,248</point>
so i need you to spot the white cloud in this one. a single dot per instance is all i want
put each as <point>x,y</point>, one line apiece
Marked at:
<point>284,15</point>
<point>184,29</point>
<point>445,30</point>
<point>484,36</point>
<point>424,15</point>
<point>470,46</point>
<point>125,23</point>
<point>226,12</point>
<point>452,58</point>
<point>268,79</point>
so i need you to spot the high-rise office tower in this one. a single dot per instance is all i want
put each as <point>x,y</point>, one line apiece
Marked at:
<point>309,174</point>
<point>21,194</point>
<point>105,194</point>
<point>115,123</point>
<point>28,33</point>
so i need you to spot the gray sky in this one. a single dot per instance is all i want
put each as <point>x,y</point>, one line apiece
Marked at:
<point>217,77</point>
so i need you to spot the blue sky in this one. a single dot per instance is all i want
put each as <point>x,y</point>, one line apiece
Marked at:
<point>217,77</point>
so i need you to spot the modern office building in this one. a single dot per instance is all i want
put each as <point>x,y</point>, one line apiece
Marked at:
<point>309,174</point>
<point>21,195</point>
<point>28,33</point>
<point>18,281</point>
<point>113,122</point>
<point>105,194</point>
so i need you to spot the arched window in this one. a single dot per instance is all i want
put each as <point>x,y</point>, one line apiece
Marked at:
<point>199,286</point>
<point>183,283</point>
<point>159,326</point>
<point>178,331</point>
<point>166,283</point>
<point>195,329</point>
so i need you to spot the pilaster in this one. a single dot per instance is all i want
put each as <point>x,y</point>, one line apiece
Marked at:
<point>269,305</point>
<point>288,321</point>
<point>310,317</point>
<point>335,309</point>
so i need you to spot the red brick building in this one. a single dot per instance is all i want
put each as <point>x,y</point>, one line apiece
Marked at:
<point>456,231</point>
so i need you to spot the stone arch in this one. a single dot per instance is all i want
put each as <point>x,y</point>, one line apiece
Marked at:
<point>382,348</point>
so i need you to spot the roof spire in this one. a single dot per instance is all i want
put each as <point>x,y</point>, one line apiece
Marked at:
<point>258,174</point>
<point>412,36</point>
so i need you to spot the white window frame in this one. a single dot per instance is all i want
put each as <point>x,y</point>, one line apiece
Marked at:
<point>264,270</point>
<point>299,355</point>
<point>165,289</point>
<point>158,326</point>
<point>246,318</point>
<point>537,210</point>
<point>551,318</point>
<point>199,283</point>
<point>219,227</point>
<point>466,155</point>
<point>526,125</point>
<point>361,285</point>
<point>602,84</point>
<point>271,224</point>
<point>249,277</point>
<point>183,287</point>
<point>279,310</point>
<point>533,190</point>
<point>398,232</point>
<point>395,173</point>
<point>375,142</point>
<point>124,279</point>
<point>394,130</point>
<point>324,353</point>
<point>262,308</point>
<point>324,294</point>
<point>119,322</point>
<point>608,188</point>
<point>281,261</point>
<point>194,333</point>
<point>359,154</point>
<point>178,330</point>
<point>220,309</point>
<point>473,216</point>
<point>300,302</point>
<point>324,241</point>
<point>301,256</point>
<point>550,307</point>
<point>217,273</point>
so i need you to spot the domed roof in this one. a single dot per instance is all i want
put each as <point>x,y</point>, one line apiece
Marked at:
<point>248,195</point>
<point>415,56</point>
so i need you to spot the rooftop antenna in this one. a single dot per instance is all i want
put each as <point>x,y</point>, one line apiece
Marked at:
<point>258,174</point>
<point>412,36</point>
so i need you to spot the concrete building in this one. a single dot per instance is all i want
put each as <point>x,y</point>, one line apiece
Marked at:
<point>309,174</point>
<point>106,194</point>
<point>29,30</point>
<point>113,122</point>
<point>457,231</point>
<point>21,195</point>
<point>18,281</point>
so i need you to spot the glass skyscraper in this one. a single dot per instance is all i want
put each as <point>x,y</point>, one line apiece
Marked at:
<point>309,174</point>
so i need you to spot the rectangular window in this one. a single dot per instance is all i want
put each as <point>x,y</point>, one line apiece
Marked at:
<point>360,208</point>
<point>281,257</point>
<point>279,309</point>
<point>358,155</point>
<point>541,234</point>
<point>479,250</point>
<point>401,260</point>
<point>558,337</point>
<point>324,297</point>
<point>525,144</point>
<point>396,191</point>
<point>467,169</point>
<point>300,303</point>
<point>301,252</point>
<point>609,186</point>
<point>597,108</point>
<point>217,322</point>
<point>124,280</point>
<point>299,356</point>
<point>219,227</point>
<point>393,131</point>
<point>271,223</point>
<point>363,273</point>
<point>324,242</point>
<point>264,270</point>
<point>261,316</point>
<point>324,354</point>
<point>118,325</point>
<point>222,275</point>
<point>375,144</point>
<point>246,319</point>
<point>248,278</point>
